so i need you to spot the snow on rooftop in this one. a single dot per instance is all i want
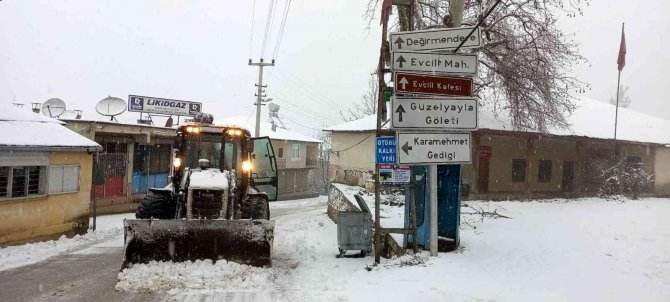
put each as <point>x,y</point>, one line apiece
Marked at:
<point>20,127</point>
<point>9,112</point>
<point>591,118</point>
<point>266,129</point>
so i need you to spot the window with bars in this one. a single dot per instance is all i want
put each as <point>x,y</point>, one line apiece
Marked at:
<point>518,170</point>
<point>16,182</point>
<point>544,170</point>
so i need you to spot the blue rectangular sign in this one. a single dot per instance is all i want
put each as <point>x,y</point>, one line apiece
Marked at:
<point>385,150</point>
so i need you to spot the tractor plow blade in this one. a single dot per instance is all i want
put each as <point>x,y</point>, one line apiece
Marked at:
<point>242,241</point>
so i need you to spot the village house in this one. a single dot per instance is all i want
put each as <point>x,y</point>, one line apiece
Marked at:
<point>45,177</point>
<point>523,164</point>
<point>134,158</point>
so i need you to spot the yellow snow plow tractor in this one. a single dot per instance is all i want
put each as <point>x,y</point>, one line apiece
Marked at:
<point>216,206</point>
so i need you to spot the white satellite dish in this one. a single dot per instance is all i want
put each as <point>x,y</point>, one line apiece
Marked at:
<point>273,107</point>
<point>111,106</point>
<point>53,107</point>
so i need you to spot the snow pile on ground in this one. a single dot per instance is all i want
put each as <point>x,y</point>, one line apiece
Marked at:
<point>199,276</point>
<point>587,249</point>
<point>20,255</point>
<point>282,204</point>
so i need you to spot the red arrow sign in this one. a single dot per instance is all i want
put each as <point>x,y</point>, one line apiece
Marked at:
<point>432,85</point>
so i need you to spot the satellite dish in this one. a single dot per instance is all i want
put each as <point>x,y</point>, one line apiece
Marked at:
<point>111,106</point>
<point>53,107</point>
<point>273,107</point>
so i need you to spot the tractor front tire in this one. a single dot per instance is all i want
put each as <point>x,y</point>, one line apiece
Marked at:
<point>255,208</point>
<point>156,206</point>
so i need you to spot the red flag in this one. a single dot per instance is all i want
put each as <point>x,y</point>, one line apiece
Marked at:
<point>386,10</point>
<point>621,61</point>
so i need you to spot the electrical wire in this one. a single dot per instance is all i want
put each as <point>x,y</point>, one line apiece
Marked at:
<point>248,118</point>
<point>292,121</point>
<point>302,88</point>
<point>268,25</point>
<point>251,37</point>
<point>356,144</point>
<point>287,6</point>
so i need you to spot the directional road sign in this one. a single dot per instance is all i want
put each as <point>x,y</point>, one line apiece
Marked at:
<point>433,148</point>
<point>436,63</point>
<point>432,85</point>
<point>435,39</point>
<point>434,113</point>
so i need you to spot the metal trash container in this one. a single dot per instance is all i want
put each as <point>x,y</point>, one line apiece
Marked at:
<point>354,230</point>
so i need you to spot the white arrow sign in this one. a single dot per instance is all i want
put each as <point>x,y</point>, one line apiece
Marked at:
<point>442,63</point>
<point>434,113</point>
<point>433,148</point>
<point>435,39</point>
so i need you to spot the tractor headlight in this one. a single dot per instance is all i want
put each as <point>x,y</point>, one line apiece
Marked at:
<point>176,162</point>
<point>246,166</point>
<point>192,129</point>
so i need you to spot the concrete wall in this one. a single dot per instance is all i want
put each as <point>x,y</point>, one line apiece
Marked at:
<point>355,165</point>
<point>662,171</point>
<point>50,216</point>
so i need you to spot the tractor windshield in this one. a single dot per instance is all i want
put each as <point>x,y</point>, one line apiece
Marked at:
<point>203,147</point>
<point>209,147</point>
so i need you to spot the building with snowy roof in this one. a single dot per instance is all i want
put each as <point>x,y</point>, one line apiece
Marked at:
<point>133,159</point>
<point>45,177</point>
<point>507,163</point>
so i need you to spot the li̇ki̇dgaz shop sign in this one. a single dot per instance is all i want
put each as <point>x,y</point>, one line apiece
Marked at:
<point>147,104</point>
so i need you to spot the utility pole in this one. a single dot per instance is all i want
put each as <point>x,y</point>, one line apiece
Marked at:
<point>259,94</point>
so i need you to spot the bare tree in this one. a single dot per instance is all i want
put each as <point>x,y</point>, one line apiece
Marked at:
<point>624,99</point>
<point>320,183</point>
<point>525,60</point>
<point>367,105</point>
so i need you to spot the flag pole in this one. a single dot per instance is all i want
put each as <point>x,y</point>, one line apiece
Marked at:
<point>616,114</point>
<point>621,62</point>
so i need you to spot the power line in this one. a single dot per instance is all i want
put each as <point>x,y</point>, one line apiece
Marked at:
<point>248,118</point>
<point>307,111</point>
<point>268,25</point>
<point>306,92</point>
<point>292,121</point>
<point>300,84</point>
<point>251,37</point>
<point>356,144</point>
<point>287,6</point>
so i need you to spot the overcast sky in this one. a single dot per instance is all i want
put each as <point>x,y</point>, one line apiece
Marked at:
<point>83,51</point>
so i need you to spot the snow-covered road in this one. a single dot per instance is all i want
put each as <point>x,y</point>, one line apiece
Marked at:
<point>561,250</point>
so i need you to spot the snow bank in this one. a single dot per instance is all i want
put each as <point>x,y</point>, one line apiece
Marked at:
<point>201,276</point>
<point>296,203</point>
<point>20,255</point>
<point>210,179</point>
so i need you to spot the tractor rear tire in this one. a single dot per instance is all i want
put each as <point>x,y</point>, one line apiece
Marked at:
<point>255,208</point>
<point>156,206</point>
